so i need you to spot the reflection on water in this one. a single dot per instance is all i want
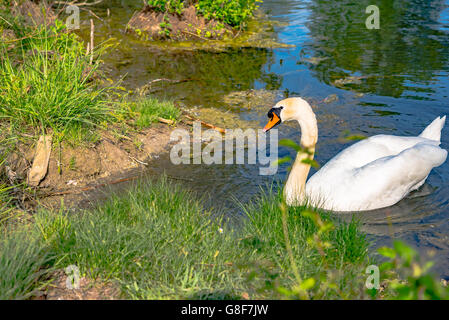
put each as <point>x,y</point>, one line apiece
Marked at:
<point>402,69</point>
<point>406,54</point>
<point>209,76</point>
<point>205,76</point>
<point>393,80</point>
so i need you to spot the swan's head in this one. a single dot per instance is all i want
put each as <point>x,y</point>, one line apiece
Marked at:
<point>287,109</point>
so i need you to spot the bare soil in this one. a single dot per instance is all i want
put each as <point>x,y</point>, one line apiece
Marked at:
<point>76,170</point>
<point>88,289</point>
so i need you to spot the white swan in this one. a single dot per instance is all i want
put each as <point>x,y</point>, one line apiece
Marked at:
<point>373,173</point>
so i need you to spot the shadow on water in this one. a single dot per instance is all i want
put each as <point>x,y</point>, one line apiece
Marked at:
<point>388,81</point>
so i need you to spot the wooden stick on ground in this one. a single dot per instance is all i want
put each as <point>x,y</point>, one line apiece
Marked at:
<point>221,130</point>
<point>166,121</point>
<point>92,28</point>
<point>78,4</point>
<point>92,13</point>
<point>60,193</point>
<point>40,161</point>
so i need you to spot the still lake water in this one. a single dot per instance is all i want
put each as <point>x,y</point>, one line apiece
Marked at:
<point>393,80</point>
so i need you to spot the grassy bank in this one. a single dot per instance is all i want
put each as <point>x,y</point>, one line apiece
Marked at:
<point>51,89</point>
<point>49,85</point>
<point>196,20</point>
<point>234,13</point>
<point>157,242</point>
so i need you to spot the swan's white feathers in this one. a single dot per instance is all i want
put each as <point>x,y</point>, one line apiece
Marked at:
<point>376,184</point>
<point>433,130</point>
<point>374,173</point>
<point>373,148</point>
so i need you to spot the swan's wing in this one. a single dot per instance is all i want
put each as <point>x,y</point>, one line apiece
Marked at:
<point>378,171</point>
<point>387,180</point>
<point>373,148</point>
<point>380,183</point>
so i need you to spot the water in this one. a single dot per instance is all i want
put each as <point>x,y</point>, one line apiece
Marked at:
<point>399,85</point>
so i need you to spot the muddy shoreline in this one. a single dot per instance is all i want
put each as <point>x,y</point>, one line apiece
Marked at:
<point>75,172</point>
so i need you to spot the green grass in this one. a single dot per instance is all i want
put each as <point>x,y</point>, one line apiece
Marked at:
<point>157,242</point>
<point>23,258</point>
<point>5,199</point>
<point>147,110</point>
<point>22,264</point>
<point>342,262</point>
<point>5,188</point>
<point>232,12</point>
<point>235,13</point>
<point>45,85</point>
<point>9,21</point>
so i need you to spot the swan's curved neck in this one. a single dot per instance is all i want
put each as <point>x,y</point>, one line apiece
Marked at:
<point>294,190</point>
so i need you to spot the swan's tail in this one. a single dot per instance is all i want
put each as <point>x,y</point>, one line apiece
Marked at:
<point>433,130</point>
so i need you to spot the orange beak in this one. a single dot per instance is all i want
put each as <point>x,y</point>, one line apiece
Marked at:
<point>273,121</point>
